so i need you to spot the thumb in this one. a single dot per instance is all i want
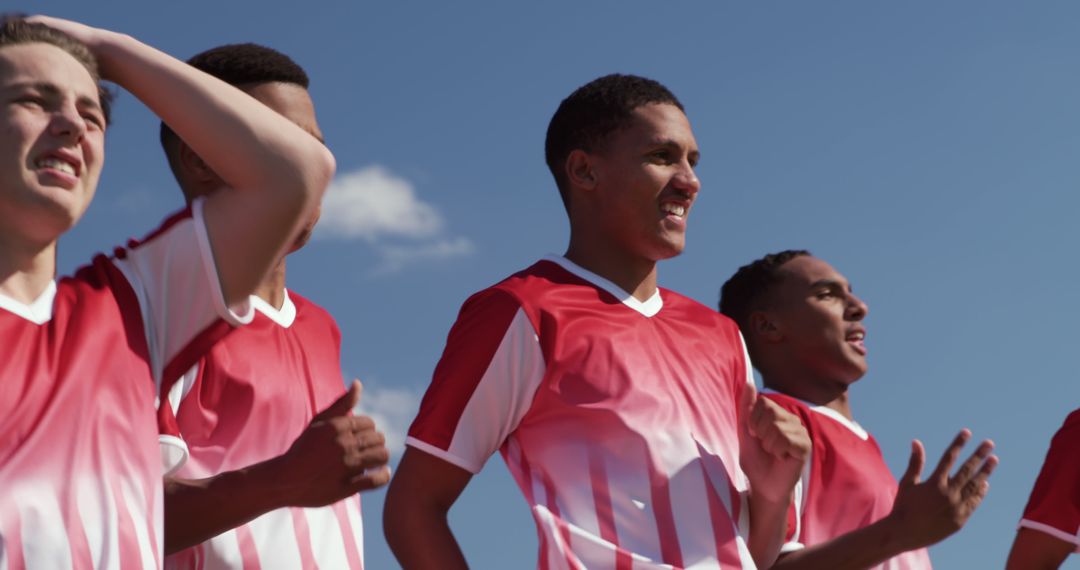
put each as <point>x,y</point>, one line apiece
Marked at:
<point>344,404</point>
<point>915,465</point>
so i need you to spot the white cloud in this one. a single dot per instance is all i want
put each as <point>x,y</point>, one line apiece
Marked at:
<point>397,256</point>
<point>393,409</point>
<point>372,203</point>
<point>381,208</point>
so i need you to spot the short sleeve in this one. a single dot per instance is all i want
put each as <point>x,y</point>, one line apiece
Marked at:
<point>483,385</point>
<point>175,280</point>
<point>1054,506</point>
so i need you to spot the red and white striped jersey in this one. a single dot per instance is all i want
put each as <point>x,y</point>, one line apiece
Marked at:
<point>246,401</point>
<point>1054,506</point>
<point>617,418</point>
<point>79,462</point>
<point>845,484</point>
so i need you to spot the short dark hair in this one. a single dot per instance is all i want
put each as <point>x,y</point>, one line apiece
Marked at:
<point>594,111</point>
<point>14,30</point>
<point>743,292</point>
<point>240,65</point>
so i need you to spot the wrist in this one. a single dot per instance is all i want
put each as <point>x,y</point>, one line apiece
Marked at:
<point>269,479</point>
<point>895,536</point>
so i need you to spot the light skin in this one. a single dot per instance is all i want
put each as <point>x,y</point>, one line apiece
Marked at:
<point>338,454</point>
<point>629,201</point>
<point>807,341</point>
<point>274,173</point>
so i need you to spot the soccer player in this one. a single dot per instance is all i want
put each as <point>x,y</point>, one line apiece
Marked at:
<point>1050,528</point>
<point>625,412</point>
<point>803,326</point>
<point>237,410</point>
<point>80,466</point>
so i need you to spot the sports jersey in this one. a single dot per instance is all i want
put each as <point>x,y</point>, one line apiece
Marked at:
<point>246,401</point>
<point>79,462</point>
<point>616,417</point>
<point>845,484</point>
<point>1054,506</point>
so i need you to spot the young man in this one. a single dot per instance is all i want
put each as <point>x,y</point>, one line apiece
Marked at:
<point>235,413</point>
<point>1050,528</point>
<point>624,411</point>
<point>80,467</point>
<point>803,326</point>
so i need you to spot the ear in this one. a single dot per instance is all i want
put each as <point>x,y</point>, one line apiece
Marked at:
<point>580,170</point>
<point>193,164</point>
<point>763,326</point>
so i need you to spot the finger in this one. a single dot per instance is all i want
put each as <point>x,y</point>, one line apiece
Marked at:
<point>968,468</point>
<point>344,405</point>
<point>915,464</point>
<point>941,472</point>
<point>370,479</point>
<point>746,405</point>
<point>355,424</point>
<point>358,460</point>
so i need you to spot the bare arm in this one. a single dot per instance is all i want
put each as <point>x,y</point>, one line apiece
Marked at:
<point>275,172</point>
<point>924,512</point>
<point>338,455</point>
<point>414,518</point>
<point>1035,550</point>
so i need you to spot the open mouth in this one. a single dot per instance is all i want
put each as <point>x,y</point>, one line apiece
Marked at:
<point>856,338</point>
<point>63,165</point>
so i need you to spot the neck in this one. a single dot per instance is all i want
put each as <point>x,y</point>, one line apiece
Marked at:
<point>632,274</point>
<point>25,269</point>
<point>272,287</point>
<point>829,393</point>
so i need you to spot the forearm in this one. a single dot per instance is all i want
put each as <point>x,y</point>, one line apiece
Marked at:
<point>247,144</point>
<point>198,510</point>
<point>768,527</point>
<point>1036,550</point>
<point>856,550</point>
<point>420,538</point>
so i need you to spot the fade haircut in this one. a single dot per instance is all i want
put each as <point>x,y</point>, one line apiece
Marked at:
<point>239,65</point>
<point>745,292</point>
<point>591,113</point>
<point>14,30</point>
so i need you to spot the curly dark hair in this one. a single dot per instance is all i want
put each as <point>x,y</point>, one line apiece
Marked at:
<point>743,292</point>
<point>594,111</point>
<point>14,30</point>
<point>240,65</point>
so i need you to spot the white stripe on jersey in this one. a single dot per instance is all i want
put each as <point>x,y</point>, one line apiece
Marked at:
<point>352,510</point>
<point>38,512</point>
<point>324,533</point>
<point>275,532</point>
<point>135,504</point>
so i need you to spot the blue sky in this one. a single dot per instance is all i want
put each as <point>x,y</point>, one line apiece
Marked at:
<point>927,150</point>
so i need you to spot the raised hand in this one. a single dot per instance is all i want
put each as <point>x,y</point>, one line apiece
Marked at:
<point>339,454</point>
<point>773,446</point>
<point>931,510</point>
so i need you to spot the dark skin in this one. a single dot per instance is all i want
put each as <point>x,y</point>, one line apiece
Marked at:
<point>807,343</point>
<point>628,208</point>
<point>336,456</point>
<point>1037,550</point>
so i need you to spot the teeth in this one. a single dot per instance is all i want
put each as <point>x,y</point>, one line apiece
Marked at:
<point>57,164</point>
<point>858,336</point>
<point>674,209</point>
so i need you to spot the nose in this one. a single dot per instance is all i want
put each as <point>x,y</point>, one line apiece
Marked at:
<point>68,122</point>
<point>686,179</point>
<point>856,308</point>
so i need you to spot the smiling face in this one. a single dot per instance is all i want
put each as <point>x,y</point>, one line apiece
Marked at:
<point>818,322</point>
<point>645,183</point>
<point>51,140</point>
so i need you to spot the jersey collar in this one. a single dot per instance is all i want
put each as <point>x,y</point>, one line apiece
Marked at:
<point>647,308</point>
<point>39,311</point>
<point>836,416</point>
<point>283,317</point>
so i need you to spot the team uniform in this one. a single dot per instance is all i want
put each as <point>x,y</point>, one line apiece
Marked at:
<point>1054,506</point>
<point>616,417</point>
<point>246,401</point>
<point>80,467</point>
<point>845,484</point>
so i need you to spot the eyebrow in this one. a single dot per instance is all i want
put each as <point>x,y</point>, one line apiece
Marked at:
<point>696,153</point>
<point>831,283</point>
